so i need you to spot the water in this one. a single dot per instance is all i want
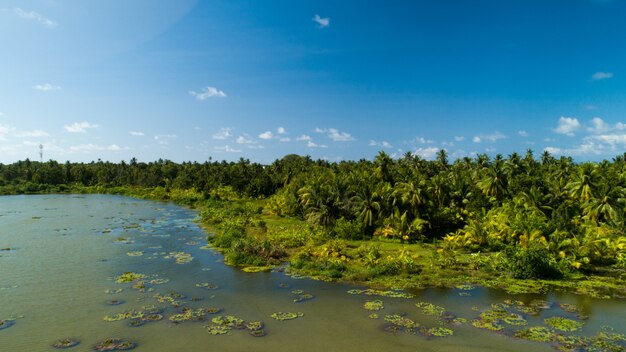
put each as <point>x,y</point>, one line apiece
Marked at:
<point>66,250</point>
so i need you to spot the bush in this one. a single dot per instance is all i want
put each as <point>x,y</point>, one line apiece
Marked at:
<point>348,230</point>
<point>534,263</point>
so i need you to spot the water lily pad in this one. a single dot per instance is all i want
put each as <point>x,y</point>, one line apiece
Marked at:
<point>207,286</point>
<point>430,309</point>
<point>400,322</point>
<point>536,333</point>
<point>254,325</point>
<point>134,254</point>
<point>388,293</point>
<point>65,343</point>
<point>303,297</point>
<point>258,333</point>
<point>281,316</point>
<point>438,332</point>
<point>218,329</point>
<point>114,344</point>
<point>563,324</point>
<point>374,305</point>
<point>129,277</point>
<point>115,302</point>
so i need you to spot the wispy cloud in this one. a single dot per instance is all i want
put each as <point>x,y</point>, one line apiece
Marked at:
<point>208,92</point>
<point>338,136</point>
<point>227,149</point>
<point>322,22</point>
<point>522,133</point>
<point>223,133</point>
<point>567,126</point>
<point>34,16</point>
<point>32,134</point>
<point>80,127</point>
<point>598,126</point>
<point>136,133</point>
<point>311,144</point>
<point>426,153</point>
<point>601,75</point>
<point>459,138</point>
<point>46,87</point>
<point>245,139</point>
<point>281,130</point>
<point>4,131</point>
<point>493,137</point>
<point>304,137</point>
<point>420,140</point>
<point>86,148</point>
<point>164,139</point>
<point>381,144</point>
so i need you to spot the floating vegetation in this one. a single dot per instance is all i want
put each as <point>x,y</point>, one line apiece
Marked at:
<point>158,281</point>
<point>536,333</point>
<point>171,298</point>
<point>438,332</point>
<point>129,277</point>
<point>115,302</point>
<point>188,314</point>
<point>282,316</point>
<point>297,292</point>
<point>213,310</point>
<point>114,344</point>
<point>256,269</point>
<point>6,323</point>
<point>563,324</point>
<point>153,317</point>
<point>515,319</point>
<point>303,297</point>
<point>112,291</point>
<point>230,321</point>
<point>136,323</point>
<point>254,325</point>
<point>218,329</point>
<point>206,247</point>
<point>284,285</point>
<point>258,333</point>
<point>207,286</point>
<point>129,314</point>
<point>373,316</point>
<point>430,309</point>
<point>180,257</point>
<point>124,240</point>
<point>192,243</point>
<point>374,305</point>
<point>399,322</point>
<point>465,287</point>
<point>65,343</point>
<point>388,293</point>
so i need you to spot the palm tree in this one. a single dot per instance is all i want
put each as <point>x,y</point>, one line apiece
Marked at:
<point>584,184</point>
<point>494,182</point>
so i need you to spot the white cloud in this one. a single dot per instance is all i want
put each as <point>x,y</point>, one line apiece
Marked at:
<point>612,139</point>
<point>4,131</point>
<point>86,148</point>
<point>312,144</point>
<point>285,139</point>
<point>281,130</point>
<point>46,87</point>
<point>266,135</point>
<point>459,138</point>
<point>31,15</point>
<point>223,133</point>
<point>338,136</point>
<point>567,126</point>
<point>136,133</point>
<point>382,144</point>
<point>321,21</point>
<point>32,134</point>
<point>427,153</point>
<point>522,133</point>
<point>304,137</point>
<point>488,137</point>
<point>601,75</point>
<point>164,139</point>
<point>80,127</point>
<point>244,139</point>
<point>598,126</point>
<point>319,130</point>
<point>208,92</point>
<point>421,140</point>
<point>227,149</point>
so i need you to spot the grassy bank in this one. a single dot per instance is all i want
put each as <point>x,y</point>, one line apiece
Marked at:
<point>252,236</point>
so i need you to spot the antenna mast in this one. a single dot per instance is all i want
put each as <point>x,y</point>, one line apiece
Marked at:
<point>41,153</point>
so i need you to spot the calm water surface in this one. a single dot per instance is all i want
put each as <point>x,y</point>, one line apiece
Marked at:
<point>66,250</point>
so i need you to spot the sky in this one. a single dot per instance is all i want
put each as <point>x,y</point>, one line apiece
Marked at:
<point>191,80</point>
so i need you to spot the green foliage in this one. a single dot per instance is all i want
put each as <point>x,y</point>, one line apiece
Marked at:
<point>534,263</point>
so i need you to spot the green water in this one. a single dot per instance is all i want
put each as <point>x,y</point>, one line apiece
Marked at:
<point>65,252</point>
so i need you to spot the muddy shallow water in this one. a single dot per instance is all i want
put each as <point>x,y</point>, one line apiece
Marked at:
<point>62,256</point>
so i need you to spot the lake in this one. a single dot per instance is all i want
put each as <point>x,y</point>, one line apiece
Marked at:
<point>62,256</point>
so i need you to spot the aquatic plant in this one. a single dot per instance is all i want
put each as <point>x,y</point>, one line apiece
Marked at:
<point>114,344</point>
<point>515,319</point>
<point>180,257</point>
<point>254,325</point>
<point>281,316</point>
<point>438,332</point>
<point>115,302</point>
<point>258,333</point>
<point>218,329</point>
<point>136,323</point>
<point>256,269</point>
<point>212,310</point>
<point>297,292</point>
<point>303,297</point>
<point>373,316</point>
<point>563,324</point>
<point>374,292</point>
<point>134,254</point>
<point>207,286</point>
<point>284,285</point>
<point>373,305</point>
<point>112,291</point>
<point>399,322</point>
<point>65,343</point>
<point>153,317</point>
<point>430,309</point>
<point>129,277</point>
<point>158,281</point>
<point>188,314</point>
<point>536,333</point>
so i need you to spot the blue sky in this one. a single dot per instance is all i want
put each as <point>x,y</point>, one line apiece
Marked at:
<point>187,80</point>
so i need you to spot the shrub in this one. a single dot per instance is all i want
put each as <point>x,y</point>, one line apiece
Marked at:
<point>534,263</point>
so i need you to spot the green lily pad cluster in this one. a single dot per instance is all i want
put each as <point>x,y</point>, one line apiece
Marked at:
<point>207,286</point>
<point>129,277</point>
<point>256,269</point>
<point>400,323</point>
<point>430,309</point>
<point>180,257</point>
<point>536,333</point>
<point>438,332</point>
<point>563,324</point>
<point>173,298</point>
<point>282,316</point>
<point>374,305</point>
<point>147,313</point>
<point>114,344</point>
<point>302,296</point>
<point>134,254</point>
<point>382,293</point>
<point>224,324</point>
<point>65,343</point>
<point>189,314</point>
